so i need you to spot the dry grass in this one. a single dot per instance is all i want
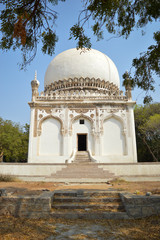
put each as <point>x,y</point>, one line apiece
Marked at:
<point>8,178</point>
<point>26,229</point>
<point>118,180</point>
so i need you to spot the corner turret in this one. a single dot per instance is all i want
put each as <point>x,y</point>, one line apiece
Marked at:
<point>35,85</point>
<point>128,85</point>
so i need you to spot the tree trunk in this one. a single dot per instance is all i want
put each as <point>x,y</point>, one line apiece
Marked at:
<point>154,157</point>
<point>1,157</point>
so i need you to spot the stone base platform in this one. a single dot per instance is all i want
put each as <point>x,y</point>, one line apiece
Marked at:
<point>82,173</point>
<point>79,204</point>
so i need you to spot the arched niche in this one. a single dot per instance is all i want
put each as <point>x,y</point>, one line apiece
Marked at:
<point>49,117</point>
<point>50,139</point>
<point>81,116</point>
<point>113,138</point>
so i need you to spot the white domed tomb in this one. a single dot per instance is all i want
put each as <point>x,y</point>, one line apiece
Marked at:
<point>82,109</point>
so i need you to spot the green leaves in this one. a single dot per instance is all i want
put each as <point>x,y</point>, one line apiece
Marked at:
<point>49,40</point>
<point>147,122</point>
<point>146,66</point>
<point>77,32</point>
<point>121,17</point>
<point>25,23</point>
<point>22,24</point>
<point>13,141</point>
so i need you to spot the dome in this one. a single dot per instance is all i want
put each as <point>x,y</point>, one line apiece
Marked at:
<point>75,63</point>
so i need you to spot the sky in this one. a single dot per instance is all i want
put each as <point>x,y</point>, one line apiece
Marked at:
<point>15,84</point>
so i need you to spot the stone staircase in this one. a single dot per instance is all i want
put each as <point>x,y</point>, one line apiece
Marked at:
<point>82,170</point>
<point>87,204</point>
<point>82,157</point>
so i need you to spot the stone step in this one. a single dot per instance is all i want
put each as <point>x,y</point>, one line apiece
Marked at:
<point>82,177</point>
<point>72,170</point>
<point>86,199</point>
<point>86,174</point>
<point>85,171</point>
<point>82,157</point>
<point>77,180</point>
<point>88,204</point>
<point>82,171</point>
<point>82,152</point>
<point>82,160</point>
<point>89,207</point>
<point>88,193</point>
<point>92,215</point>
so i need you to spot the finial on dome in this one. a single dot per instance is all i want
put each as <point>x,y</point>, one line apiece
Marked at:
<point>35,75</point>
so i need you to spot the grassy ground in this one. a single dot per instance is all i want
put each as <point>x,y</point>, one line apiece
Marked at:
<point>22,229</point>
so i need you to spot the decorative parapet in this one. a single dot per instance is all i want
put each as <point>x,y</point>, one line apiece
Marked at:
<point>81,83</point>
<point>82,88</point>
<point>71,95</point>
<point>50,98</point>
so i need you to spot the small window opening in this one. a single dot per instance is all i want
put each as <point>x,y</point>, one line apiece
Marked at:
<point>81,121</point>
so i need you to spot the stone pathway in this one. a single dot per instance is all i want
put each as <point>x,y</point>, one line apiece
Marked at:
<point>86,231</point>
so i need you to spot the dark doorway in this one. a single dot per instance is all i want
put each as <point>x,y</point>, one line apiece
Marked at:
<point>82,142</point>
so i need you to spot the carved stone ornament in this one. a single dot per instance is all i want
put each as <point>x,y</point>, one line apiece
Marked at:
<point>124,131</point>
<point>48,111</point>
<point>82,88</point>
<point>63,132</point>
<point>71,115</point>
<point>81,110</point>
<point>123,114</point>
<point>112,110</point>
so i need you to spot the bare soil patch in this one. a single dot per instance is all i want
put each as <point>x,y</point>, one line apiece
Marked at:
<point>31,188</point>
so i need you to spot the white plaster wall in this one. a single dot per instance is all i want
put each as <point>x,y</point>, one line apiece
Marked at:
<point>112,140</point>
<point>133,134</point>
<point>25,169</point>
<point>30,169</point>
<point>50,139</point>
<point>31,129</point>
<point>139,169</point>
<point>113,159</point>
<point>82,128</point>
